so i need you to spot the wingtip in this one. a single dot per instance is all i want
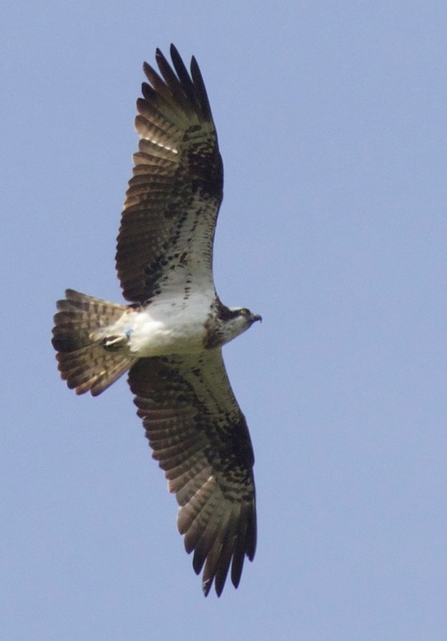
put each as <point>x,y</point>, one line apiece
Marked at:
<point>159,55</point>
<point>176,54</point>
<point>206,587</point>
<point>173,50</point>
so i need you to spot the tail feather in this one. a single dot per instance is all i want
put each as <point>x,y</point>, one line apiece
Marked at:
<point>83,361</point>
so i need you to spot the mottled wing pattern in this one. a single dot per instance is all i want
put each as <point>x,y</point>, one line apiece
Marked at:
<point>167,226</point>
<point>200,438</point>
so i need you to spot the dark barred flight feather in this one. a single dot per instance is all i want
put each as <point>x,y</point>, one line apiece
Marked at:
<point>169,337</point>
<point>177,181</point>
<point>203,444</point>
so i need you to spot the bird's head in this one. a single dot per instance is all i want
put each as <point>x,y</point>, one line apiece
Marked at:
<point>235,321</point>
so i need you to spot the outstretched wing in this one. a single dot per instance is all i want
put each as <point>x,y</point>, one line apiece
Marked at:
<point>167,225</point>
<point>200,438</point>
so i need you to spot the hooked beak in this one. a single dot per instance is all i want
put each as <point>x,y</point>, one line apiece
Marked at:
<point>257,317</point>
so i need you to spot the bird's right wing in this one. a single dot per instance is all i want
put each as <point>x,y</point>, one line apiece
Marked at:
<point>201,440</point>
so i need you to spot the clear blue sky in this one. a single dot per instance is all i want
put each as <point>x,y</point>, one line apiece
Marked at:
<point>332,123</point>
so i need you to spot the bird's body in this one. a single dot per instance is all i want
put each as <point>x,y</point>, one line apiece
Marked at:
<point>169,337</point>
<point>164,327</point>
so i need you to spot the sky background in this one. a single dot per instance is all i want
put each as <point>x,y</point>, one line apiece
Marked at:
<point>332,124</point>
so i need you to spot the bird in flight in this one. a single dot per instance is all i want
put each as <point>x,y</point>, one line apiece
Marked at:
<point>169,337</point>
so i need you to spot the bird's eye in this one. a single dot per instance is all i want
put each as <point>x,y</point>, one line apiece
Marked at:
<point>244,311</point>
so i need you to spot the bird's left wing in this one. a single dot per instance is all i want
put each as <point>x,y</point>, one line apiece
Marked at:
<point>201,440</point>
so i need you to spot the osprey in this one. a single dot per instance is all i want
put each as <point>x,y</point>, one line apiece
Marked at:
<point>170,337</point>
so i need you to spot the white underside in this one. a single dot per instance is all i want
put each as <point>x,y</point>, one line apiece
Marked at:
<point>166,326</point>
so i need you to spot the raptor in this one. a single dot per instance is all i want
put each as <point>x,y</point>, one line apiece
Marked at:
<point>169,336</point>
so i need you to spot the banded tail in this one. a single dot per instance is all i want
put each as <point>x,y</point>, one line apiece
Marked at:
<point>84,362</point>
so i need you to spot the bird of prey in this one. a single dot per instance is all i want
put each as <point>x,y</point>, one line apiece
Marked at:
<point>170,336</point>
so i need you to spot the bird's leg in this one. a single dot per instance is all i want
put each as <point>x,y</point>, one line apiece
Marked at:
<point>116,341</point>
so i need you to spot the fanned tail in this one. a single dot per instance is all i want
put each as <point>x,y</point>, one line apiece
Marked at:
<point>83,361</point>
